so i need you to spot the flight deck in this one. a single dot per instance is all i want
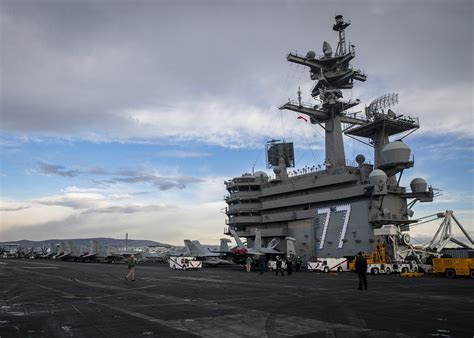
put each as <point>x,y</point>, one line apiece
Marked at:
<point>65,299</point>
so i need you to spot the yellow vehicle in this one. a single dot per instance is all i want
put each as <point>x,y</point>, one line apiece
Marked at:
<point>374,257</point>
<point>452,267</point>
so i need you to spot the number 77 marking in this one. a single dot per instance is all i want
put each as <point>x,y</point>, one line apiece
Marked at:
<point>342,235</point>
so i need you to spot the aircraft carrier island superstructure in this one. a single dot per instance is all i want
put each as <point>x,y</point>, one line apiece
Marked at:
<point>342,207</point>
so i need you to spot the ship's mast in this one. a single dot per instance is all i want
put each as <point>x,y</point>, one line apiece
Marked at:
<point>340,27</point>
<point>332,73</point>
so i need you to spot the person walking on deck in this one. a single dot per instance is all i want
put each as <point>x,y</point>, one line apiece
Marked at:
<point>131,268</point>
<point>278,266</point>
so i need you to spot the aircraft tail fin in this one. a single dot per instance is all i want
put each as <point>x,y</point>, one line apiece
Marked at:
<point>237,239</point>
<point>200,249</point>
<point>70,247</point>
<point>102,249</point>
<point>94,246</point>
<point>257,245</point>
<point>224,247</point>
<point>53,248</point>
<point>290,246</point>
<point>188,247</point>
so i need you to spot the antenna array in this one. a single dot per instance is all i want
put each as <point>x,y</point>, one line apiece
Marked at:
<point>380,103</point>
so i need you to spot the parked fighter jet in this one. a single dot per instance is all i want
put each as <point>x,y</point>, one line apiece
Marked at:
<point>155,257</point>
<point>50,251</point>
<point>195,249</point>
<point>60,250</point>
<point>71,252</point>
<point>101,253</point>
<point>241,252</point>
<point>257,247</point>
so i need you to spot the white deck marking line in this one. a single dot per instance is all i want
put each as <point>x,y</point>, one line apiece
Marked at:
<point>40,267</point>
<point>315,326</point>
<point>142,316</point>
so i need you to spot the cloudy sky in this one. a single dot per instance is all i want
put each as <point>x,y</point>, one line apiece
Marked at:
<point>127,116</point>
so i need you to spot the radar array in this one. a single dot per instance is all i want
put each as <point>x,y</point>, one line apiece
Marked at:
<point>378,105</point>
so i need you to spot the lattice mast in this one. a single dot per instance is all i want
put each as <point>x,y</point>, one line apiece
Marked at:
<point>332,73</point>
<point>340,27</point>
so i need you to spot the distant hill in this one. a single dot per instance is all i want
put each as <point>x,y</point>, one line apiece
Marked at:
<point>86,242</point>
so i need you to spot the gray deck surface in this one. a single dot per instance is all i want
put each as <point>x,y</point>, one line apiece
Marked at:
<point>44,298</point>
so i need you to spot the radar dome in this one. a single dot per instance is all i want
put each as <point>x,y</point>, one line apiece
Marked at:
<point>260,174</point>
<point>378,177</point>
<point>396,152</point>
<point>310,55</point>
<point>418,185</point>
<point>360,159</point>
<point>277,170</point>
<point>327,50</point>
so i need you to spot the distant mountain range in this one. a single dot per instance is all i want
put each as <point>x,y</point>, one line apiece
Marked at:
<point>87,241</point>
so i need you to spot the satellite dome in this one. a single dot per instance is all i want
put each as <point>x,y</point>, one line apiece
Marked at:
<point>378,177</point>
<point>418,185</point>
<point>310,55</point>
<point>396,152</point>
<point>360,159</point>
<point>260,174</point>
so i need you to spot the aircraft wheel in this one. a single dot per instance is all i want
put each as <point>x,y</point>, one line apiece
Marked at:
<point>450,273</point>
<point>339,269</point>
<point>404,270</point>
<point>184,268</point>
<point>388,271</point>
<point>472,273</point>
<point>375,271</point>
<point>174,267</point>
<point>326,269</point>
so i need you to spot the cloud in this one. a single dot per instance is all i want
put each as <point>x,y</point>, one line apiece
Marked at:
<point>54,169</point>
<point>177,73</point>
<point>162,183</point>
<point>165,223</point>
<point>107,75</point>
<point>110,191</point>
<point>80,212</point>
<point>129,209</point>
<point>129,176</point>
<point>11,206</point>
<point>440,106</point>
<point>75,200</point>
<point>75,189</point>
<point>182,153</point>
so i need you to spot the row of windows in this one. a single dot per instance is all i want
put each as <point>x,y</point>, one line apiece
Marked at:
<point>240,214</point>
<point>244,201</point>
<point>244,188</point>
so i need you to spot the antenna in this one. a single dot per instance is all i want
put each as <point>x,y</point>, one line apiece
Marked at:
<point>299,96</point>
<point>276,150</point>
<point>379,104</point>
<point>340,26</point>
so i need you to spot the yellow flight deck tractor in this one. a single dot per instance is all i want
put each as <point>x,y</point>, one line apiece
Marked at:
<point>452,267</point>
<point>376,260</point>
<point>378,263</point>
